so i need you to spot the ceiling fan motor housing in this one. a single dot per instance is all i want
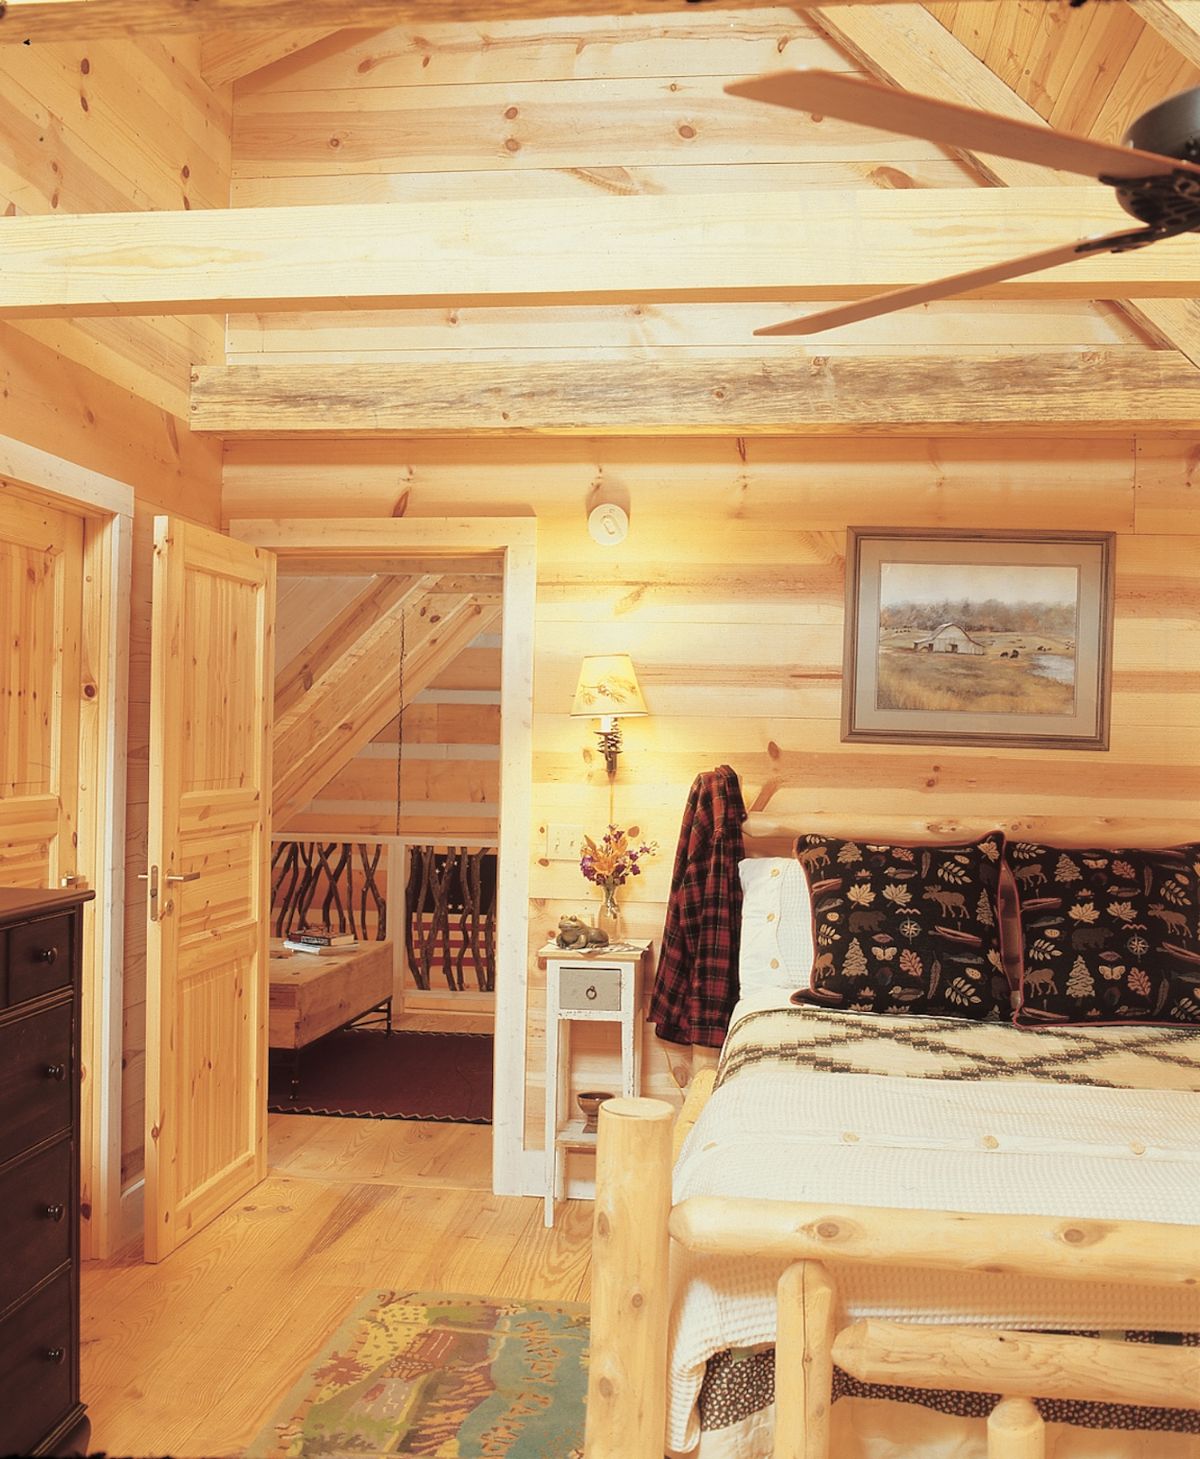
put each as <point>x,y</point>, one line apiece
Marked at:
<point>1172,129</point>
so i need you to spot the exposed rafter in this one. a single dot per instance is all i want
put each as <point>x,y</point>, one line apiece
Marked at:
<point>228,55</point>
<point>358,692</point>
<point>1112,390</point>
<point>1177,21</point>
<point>590,250</point>
<point>907,47</point>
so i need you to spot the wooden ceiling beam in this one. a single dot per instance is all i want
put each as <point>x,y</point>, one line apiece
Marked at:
<point>838,244</point>
<point>85,20</point>
<point>378,599</point>
<point>1177,21</point>
<point>228,55</point>
<point>909,48</point>
<point>802,392</point>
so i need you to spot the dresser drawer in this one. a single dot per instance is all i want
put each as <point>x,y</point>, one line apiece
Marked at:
<point>37,1377</point>
<point>36,1080</point>
<point>597,989</point>
<point>40,957</point>
<point>36,1219</point>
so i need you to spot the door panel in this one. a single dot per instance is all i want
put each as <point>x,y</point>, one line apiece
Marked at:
<point>210,728</point>
<point>41,609</point>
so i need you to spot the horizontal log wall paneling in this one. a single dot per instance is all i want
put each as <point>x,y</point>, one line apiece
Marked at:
<point>729,596</point>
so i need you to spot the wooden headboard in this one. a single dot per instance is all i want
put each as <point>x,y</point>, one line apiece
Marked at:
<point>774,833</point>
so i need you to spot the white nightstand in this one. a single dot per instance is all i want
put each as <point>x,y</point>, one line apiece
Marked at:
<point>603,985</point>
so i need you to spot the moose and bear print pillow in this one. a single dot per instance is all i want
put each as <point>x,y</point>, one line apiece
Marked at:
<point>1107,936</point>
<point>905,929</point>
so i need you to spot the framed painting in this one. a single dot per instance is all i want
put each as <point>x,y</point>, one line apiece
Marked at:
<point>990,638</point>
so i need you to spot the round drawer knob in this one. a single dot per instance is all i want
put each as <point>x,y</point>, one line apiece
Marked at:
<point>56,1355</point>
<point>590,993</point>
<point>56,1071</point>
<point>56,1211</point>
<point>46,955</point>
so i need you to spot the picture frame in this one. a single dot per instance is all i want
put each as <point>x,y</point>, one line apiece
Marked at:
<point>1020,654</point>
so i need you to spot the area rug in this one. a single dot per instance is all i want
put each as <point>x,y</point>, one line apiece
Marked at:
<point>401,1076</point>
<point>443,1376</point>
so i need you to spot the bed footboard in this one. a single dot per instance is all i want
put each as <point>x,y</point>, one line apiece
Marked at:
<point>626,1408</point>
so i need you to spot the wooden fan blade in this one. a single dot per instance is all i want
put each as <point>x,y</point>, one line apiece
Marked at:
<point>854,99</point>
<point>944,288</point>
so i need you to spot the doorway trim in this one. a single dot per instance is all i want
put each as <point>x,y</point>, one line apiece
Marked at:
<point>106,506</point>
<point>516,537</point>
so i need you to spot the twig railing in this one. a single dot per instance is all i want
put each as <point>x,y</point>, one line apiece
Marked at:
<point>313,888</point>
<point>634,1221</point>
<point>450,916</point>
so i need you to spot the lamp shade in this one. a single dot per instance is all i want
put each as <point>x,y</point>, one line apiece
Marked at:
<point>607,686</point>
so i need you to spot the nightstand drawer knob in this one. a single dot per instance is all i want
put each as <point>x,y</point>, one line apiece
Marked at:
<point>590,993</point>
<point>56,1355</point>
<point>56,1071</point>
<point>46,955</point>
<point>56,1211</point>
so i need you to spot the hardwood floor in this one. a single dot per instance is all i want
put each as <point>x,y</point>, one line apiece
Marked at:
<point>192,1356</point>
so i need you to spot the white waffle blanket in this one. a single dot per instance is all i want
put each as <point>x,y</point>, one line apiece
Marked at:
<point>789,1133</point>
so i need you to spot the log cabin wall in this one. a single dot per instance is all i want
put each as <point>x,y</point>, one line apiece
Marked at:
<point>728,593</point>
<point>113,126</point>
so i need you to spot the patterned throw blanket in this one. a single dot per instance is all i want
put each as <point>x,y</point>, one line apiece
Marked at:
<point>814,1039</point>
<point>941,1114</point>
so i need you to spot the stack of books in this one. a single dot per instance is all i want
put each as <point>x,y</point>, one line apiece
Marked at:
<point>320,942</point>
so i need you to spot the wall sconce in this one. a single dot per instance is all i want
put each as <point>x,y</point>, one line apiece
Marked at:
<point>607,689</point>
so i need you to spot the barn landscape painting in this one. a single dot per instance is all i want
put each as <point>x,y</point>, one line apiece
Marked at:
<point>989,637</point>
<point>977,639</point>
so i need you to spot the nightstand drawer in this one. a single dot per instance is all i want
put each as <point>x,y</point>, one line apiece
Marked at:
<point>595,989</point>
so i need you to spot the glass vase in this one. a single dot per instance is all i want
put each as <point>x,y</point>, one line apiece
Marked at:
<point>608,917</point>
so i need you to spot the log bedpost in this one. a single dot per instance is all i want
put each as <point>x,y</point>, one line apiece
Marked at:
<point>627,1367</point>
<point>804,1362</point>
<point>1015,1431</point>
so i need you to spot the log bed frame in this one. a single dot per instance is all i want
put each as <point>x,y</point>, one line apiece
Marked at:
<point>635,1223</point>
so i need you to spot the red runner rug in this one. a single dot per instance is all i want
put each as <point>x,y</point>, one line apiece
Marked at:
<point>400,1076</point>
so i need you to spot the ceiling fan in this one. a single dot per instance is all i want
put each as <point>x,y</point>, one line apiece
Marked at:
<point>1154,174</point>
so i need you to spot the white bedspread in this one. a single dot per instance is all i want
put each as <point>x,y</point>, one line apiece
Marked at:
<point>868,1139</point>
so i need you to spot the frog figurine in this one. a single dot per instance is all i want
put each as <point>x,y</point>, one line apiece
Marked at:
<point>574,932</point>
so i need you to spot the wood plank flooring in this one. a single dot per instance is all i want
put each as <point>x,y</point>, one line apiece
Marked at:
<point>192,1356</point>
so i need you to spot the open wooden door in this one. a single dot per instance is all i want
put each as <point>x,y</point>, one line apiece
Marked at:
<point>211,688</point>
<point>41,609</point>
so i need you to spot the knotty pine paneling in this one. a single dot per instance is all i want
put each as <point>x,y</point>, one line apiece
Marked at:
<point>114,126</point>
<point>729,594</point>
<point>1091,70</point>
<point>530,110</point>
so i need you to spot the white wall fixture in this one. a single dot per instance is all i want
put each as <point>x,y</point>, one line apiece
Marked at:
<point>608,524</point>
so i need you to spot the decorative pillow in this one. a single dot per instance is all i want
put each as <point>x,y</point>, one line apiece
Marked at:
<point>905,929</point>
<point>776,948</point>
<point>1108,936</point>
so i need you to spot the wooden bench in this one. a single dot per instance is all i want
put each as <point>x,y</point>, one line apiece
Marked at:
<point>313,995</point>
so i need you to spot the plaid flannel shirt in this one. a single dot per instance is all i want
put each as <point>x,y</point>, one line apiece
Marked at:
<point>696,983</point>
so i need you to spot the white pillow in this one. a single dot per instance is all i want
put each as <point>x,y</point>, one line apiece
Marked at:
<point>777,933</point>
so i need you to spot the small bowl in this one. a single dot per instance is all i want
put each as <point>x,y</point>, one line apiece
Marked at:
<point>589,1102</point>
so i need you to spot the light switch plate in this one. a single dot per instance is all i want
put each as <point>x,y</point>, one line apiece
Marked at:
<point>563,843</point>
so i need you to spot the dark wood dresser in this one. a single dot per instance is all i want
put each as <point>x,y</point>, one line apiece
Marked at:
<point>41,945</point>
